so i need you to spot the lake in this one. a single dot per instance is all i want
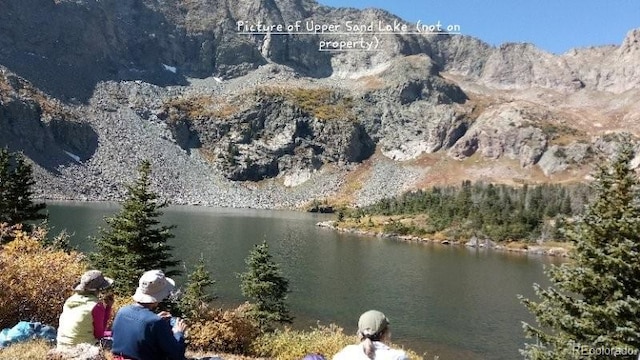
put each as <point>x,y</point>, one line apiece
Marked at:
<point>454,302</point>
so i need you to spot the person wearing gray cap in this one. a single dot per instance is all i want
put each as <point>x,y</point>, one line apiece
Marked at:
<point>141,334</point>
<point>84,318</point>
<point>373,330</point>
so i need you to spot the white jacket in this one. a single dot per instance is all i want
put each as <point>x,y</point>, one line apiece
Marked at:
<point>383,352</point>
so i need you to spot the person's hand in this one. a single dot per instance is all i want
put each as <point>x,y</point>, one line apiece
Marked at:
<point>165,315</point>
<point>180,326</point>
<point>108,300</point>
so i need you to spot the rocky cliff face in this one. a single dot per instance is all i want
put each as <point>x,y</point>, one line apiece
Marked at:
<point>44,129</point>
<point>89,88</point>
<point>521,66</point>
<point>268,131</point>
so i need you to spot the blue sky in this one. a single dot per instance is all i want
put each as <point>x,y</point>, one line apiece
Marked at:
<point>553,25</point>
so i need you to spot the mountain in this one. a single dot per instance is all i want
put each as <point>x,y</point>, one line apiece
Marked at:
<point>88,88</point>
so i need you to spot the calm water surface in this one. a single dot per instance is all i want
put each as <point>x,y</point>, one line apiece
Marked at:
<point>453,302</point>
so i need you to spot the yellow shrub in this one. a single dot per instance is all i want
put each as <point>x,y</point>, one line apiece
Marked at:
<point>291,344</point>
<point>324,104</point>
<point>29,350</point>
<point>35,281</point>
<point>201,107</point>
<point>229,331</point>
<point>37,350</point>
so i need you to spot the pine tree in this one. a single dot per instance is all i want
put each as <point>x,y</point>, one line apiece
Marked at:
<point>16,182</point>
<point>134,241</point>
<point>23,208</point>
<point>196,298</point>
<point>265,285</point>
<point>594,302</point>
<point>5,185</point>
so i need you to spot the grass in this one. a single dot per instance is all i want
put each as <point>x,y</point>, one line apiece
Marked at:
<point>353,182</point>
<point>37,349</point>
<point>478,104</point>
<point>291,344</point>
<point>284,344</point>
<point>200,107</point>
<point>323,104</point>
<point>50,108</point>
<point>5,88</point>
<point>372,82</point>
<point>26,351</point>
<point>414,224</point>
<point>561,134</point>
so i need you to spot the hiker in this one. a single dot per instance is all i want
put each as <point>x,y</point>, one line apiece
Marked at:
<point>373,331</point>
<point>141,334</point>
<point>84,317</point>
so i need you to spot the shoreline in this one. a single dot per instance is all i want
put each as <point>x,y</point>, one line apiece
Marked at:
<point>517,247</point>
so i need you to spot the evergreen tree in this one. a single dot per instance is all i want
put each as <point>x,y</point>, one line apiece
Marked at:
<point>16,182</point>
<point>595,298</point>
<point>134,241</point>
<point>23,208</point>
<point>195,299</point>
<point>265,285</point>
<point>5,185</point>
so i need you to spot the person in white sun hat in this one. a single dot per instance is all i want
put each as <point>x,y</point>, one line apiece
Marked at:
<point>141,334</point>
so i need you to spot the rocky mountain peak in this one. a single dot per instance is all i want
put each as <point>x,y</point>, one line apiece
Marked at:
<point>265,120</point>
<point>631,41</point>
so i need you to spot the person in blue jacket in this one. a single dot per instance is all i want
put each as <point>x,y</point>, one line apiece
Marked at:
<point>141,334</point>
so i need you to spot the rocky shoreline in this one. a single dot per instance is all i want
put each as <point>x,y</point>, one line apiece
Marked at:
<point>520,248</point>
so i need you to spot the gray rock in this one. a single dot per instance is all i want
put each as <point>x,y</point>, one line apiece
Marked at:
<point>507,130</point>
<point>559,158</point>
<point>475,242</point>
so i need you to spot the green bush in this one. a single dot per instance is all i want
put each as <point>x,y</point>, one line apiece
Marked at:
<point>396,227</point>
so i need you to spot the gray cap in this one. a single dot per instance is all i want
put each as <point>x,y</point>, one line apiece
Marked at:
<point>372,322</point>
<point>93,280</point>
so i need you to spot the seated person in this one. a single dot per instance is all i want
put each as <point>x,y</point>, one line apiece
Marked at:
<point>141,334</point>
<point>84,318</point>
<point>373,331</point>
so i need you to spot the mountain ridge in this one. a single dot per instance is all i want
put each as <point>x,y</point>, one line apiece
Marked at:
<point>268,121</point>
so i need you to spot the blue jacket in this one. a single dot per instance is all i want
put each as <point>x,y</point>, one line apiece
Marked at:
<point>140,334</point>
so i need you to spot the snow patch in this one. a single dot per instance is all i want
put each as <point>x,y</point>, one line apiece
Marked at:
<point>73,156</point>
<point>169,68</point>
<point>217,79</point>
